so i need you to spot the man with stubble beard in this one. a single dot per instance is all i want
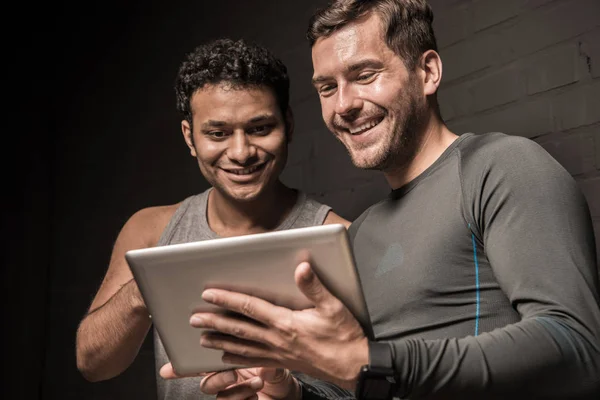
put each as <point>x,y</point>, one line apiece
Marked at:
<point>479,268</point>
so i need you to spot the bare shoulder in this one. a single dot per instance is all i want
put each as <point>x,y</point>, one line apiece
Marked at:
<point>143,229</point>
<point>149,223</point>
<point>333,218</point>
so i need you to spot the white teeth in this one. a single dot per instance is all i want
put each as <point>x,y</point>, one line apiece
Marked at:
<point>364,127</point>
<point>245,171</point>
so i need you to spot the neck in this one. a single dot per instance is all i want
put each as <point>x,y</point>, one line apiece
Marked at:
<point>434,139</point>
<point>229,217</point>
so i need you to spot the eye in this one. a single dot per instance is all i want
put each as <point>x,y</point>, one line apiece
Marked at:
<point>217,134</point>
<point>365,77</point>
<point>326,90</point>
<point>259,130</point>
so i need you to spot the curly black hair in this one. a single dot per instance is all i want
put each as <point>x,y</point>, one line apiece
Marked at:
<point>237,63</point>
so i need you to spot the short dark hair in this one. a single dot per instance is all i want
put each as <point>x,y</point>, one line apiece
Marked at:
<point>407,24</point>
<point>236,63</point>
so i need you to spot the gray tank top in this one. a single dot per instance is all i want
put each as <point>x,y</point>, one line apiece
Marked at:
<point>189,224</point>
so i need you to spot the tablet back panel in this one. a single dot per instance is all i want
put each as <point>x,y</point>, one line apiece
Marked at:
<point>172,279</point>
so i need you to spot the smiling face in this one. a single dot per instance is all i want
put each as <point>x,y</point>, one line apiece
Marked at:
<point>369,100</point>
<point>239,139</point>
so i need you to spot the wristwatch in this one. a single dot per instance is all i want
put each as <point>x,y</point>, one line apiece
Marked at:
<point>376,380</point>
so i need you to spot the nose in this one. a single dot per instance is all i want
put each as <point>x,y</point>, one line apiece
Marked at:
<point>347,102</point>
<point>241,149</point>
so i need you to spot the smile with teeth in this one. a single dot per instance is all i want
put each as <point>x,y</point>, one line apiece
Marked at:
<point>245,171</point>
<point>365,127</point>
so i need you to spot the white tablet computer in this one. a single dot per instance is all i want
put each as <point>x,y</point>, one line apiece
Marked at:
<point>172,278</point>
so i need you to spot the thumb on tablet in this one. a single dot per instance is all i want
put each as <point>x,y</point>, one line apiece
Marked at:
<point>310,285</point>
<point>167,372</point>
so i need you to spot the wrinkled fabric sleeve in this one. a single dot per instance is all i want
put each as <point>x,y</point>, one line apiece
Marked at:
<point>531,221</point>
<point>314,389</point>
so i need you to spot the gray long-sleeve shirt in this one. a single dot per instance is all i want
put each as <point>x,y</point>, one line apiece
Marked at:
<point>482,275</point>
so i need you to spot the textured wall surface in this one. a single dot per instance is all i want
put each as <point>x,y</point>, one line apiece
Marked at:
<point>524,67</point>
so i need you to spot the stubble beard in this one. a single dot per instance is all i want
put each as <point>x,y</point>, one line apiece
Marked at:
<point>399,146</point>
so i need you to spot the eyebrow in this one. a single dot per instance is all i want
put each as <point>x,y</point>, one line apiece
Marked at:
<point>362,64</point>
<point>213,124</point>
<point>261,118</point>
<point>219,124</point>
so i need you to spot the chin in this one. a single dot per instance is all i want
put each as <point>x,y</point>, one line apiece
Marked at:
<point>366,164</point>
<point>245,194</point>
<point>368,158</point>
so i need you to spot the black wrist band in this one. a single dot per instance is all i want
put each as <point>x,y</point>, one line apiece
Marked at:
<point>380,355</point>
<point>376,380</point>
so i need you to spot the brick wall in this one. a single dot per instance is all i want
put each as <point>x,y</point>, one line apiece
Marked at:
<point>525,67</point>
<point>528,68</point>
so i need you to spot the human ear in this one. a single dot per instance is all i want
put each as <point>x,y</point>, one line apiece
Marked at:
<point>431,68</point>
<point>188,136</point>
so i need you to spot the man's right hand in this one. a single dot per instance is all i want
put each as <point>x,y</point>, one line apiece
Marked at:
<point>246,384</point>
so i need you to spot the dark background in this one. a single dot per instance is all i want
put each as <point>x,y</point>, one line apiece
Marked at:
<point>93,136</point>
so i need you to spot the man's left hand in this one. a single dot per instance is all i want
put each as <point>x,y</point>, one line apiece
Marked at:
<point>245,383</point>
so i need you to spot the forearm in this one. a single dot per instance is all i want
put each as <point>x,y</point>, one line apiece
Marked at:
<point>109,337</point>
<point>541,357</point>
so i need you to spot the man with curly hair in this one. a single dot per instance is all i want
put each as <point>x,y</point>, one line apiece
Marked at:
<point>237,123</point>
<point>479,269</point>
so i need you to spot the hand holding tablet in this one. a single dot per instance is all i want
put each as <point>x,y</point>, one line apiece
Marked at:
<point>172,279</point>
